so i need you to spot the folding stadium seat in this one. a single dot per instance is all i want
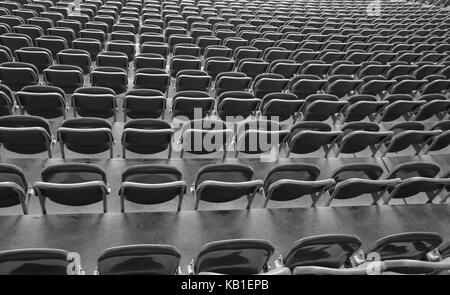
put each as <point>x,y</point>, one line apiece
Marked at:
<point>205,136</point>
<point>206,41</point>
<point>67,34</point>
<point>192,80</point>
<point>427,70</point>
<point>15,41</point>
<point>4,28</point>
<point>400,70</point>
<point>302,55</point>
<point>32,31</point>
<point>97,25</point>
<point>230,41</point>
<point>36,261</point>
<point>242,52</point>
<point>151,78</point>
<point>99,102</point>
<point>220,183</point>
<point>383,57</point>
<point>263,43</point>
<point>176,39</point>
<point>216,65</point>
<point>85,136</point>
<point>156,259</point>
<point>360,135</point>
<point>332,56</point>
<point>400,105</point>
<point>156,22</point>
<point>26,134</point>
<point>281,106</point>
<point>149,60</point>
<point>13,186</point>
<point>186,49</point>
<point>435,105</point>
<point>200,32</point>
<point>74,22</point>
<point>335,50</point>
<point>190,104</point>
<point>372,69</point>
<point>91,45</point>
<point>72,184</point>
<point>16,75</point>
<point>445,71</point>
<point>147,136</point>
<point>433,57</point>
<point>151,37</point>
<point>342,85</point>
<point>410,247</point>
<point>236,105</point>
<point>155,48</point>
<point>111,77</point>
<point>6,100</point>
<point>5,54</point>
<point>409,134</point>
<point>12,20</point>
<point>233,257</point>
<point>61,10</point>
<point>259,136</point>
<point>354,180</point>
<point>285,67</point>
<point>442,140</point>
<point>67,77</point>
<point>43,101</point>
<point>82,18</point>
<point>122,36</point>
<point>217,51</point>
<point>358,57</point>
<point>330,251</point>
<point>441,48</point>
<point>312,45</point>
<point>375,85</point>
<point>75,57</point>
<point>144,103</point>
<point>308,137</point>
<point>409,57</point>
<point>42,22</point>
<point>113,59</point>
<point>121,26</point>
<point>53,43</point>
<point>407,85</point>
<point>122,46</point>
<point>417,177</point>
<point>149,29</point>
<point>183,62</point>
<point>287,182</point>
<point>107,19</point>
<point>269,83</point>
<point>436,86</point>
<point>304,85</point>
<point>41,58</point>
<point>10,5</point>
<point>362,106</point>
<point>321,107</point>
<point>231,81</point>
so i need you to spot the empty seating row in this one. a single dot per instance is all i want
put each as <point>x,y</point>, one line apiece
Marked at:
<point>416,253</point>
<point>88,135</point>
<point>74,184</point>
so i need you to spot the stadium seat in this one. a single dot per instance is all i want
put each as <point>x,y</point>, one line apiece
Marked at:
<point>151,184</point>
<point>72,184</point>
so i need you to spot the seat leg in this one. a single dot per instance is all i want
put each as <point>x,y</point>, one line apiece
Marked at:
<point>24,206</point>
<point>122,203</point>
<point>42,203</point>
